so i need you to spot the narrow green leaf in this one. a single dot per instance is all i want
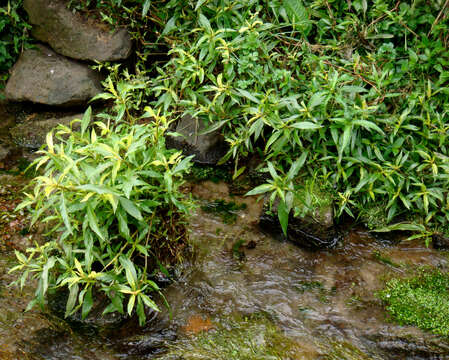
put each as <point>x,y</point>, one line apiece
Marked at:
<point>64,214</point>
<point>306,125</point>
<point>86,120</point>
<point>131,208</point>
<point>93,222</point>
<point>87,303</point>
<point>283,216</point>
<point>71,301</point>
<point>146,7</point>
<point>261,189</point>
<point>131,302</point>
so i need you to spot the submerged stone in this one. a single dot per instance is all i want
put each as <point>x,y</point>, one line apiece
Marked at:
<point>32,134</point>
<point>440,241</point>
<point>70,34</point>
<point>316,230</point>
<point>42,76</point>
<point>207,148</point>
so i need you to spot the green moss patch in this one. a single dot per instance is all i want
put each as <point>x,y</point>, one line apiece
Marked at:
<point>250,338</point>
<point>422,300</point>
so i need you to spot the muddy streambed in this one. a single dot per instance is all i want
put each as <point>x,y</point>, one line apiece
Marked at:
<point>245,296</point>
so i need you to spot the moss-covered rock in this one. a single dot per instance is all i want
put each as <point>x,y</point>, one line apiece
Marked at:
<point>69,34</point>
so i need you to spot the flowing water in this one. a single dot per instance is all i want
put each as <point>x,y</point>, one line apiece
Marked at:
<point>245,295</point>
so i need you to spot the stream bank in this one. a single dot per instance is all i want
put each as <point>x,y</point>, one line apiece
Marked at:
<point>263,293</point>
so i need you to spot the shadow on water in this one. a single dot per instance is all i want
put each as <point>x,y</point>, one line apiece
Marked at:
<point>246,296</point>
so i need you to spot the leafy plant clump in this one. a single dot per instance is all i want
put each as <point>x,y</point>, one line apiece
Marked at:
<point>13,35</point>
<point>110,197</point>
<point>352,93</point>
<point>422,301</point>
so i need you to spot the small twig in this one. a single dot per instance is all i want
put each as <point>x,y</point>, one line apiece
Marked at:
<point>381,17</point>
<point>438,18</point>
<point>352,73</point>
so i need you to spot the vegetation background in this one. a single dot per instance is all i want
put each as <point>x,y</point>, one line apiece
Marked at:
<point>346,96</point>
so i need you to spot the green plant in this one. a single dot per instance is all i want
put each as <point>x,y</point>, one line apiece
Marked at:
<point>422,300</point>
<point>349,93</point>
<point>110,198</point>
<point>356,90</point>
<point>13,33</point>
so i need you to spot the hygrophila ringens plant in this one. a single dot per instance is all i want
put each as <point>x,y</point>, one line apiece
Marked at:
<point>110,197</point>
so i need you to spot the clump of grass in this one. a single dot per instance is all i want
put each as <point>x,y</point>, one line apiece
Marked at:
<point>422,300</point>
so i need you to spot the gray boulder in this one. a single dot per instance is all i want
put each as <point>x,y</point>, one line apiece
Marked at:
<point>207,148</point>
<point>44,77</point>
<point>32,134</point>
<point>70,34</point>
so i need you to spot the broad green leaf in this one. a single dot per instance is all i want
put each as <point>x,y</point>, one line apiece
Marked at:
<point>316,99</point>
<point>148,302</point>
<point>199,3</point>
<point>401,227</point>
<point>131,302</point>
<point>204,22</point>
<point>130,271</point>
<point>214,127</point>
<point>131,208</point>
<point>169,27</point>
<point>354,89</point>
<point>368,125</point>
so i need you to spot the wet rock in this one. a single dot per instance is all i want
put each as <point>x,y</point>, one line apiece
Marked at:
<point>32,133</point>
<point>70,34</point>
<point>440,242</point>
<point>207,148</point>
<point>41,76</point>
<point>95,320</point>
<point>409,343</point>
<point>316,230</point>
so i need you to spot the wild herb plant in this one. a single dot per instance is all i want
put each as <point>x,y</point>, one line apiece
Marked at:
<point>14,35</point>
<point>350,93</point>
<point>110,197</point>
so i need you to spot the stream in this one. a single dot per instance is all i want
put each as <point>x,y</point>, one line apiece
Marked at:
<point>244,295</point>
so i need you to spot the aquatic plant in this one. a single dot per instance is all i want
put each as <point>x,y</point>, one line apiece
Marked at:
<point>352,94</point>
<point>110,197</point>
<point>315,87</point>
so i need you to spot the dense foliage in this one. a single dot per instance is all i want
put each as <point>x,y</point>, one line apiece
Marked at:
<point>346,96</point>
<point>356,96</point>
<point>352,94</point>
<point>13,34</point>
<point>422,300</point>
<point>113,206</point>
